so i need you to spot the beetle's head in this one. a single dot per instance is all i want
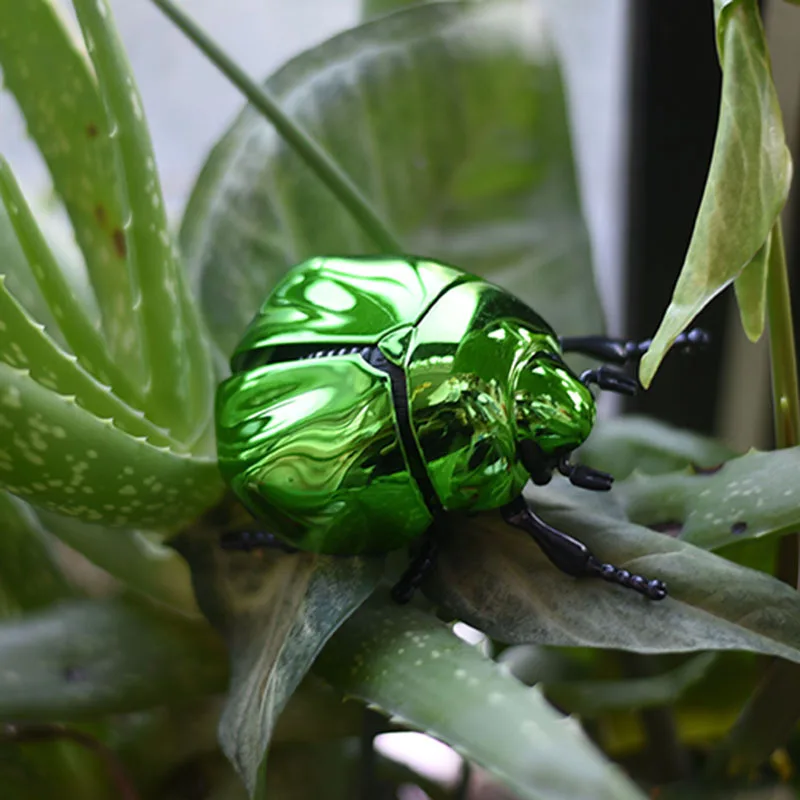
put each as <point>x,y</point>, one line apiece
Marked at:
<point>554,413</point>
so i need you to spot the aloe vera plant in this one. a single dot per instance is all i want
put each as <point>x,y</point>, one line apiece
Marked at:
<point>438,128</point>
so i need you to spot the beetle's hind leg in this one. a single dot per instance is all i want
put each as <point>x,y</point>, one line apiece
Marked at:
<point>247,540</point>
<point>419,567</point>
<point>627,351</point>
<point>574,557</point>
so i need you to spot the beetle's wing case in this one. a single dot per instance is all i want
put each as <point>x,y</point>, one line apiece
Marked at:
<point>461,364</point>
<point>350,299</point>
<point>312,449</point>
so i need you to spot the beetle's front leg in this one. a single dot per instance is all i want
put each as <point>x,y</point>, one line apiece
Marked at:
<point>626,351</point>
<point>247,539</point>
<point>574,557</point>
<point>419,567</point>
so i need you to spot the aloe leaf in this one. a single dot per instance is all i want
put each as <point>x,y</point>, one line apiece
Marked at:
<point>176,357</point>
<point>591,698</point>
<point>747,185</point>
<point>57,93</point>
<point>624,444</point>
<point>496,578</point>
<point>25,345</point>
<point>450,118</point>
<point>411,666</point>
<point>276,613</point>
<point>61,298</point>
<point>750,497</point>
<point>135,558</point>
<point>59,456</point>
<point>84,658</point>
<point>29,575</point>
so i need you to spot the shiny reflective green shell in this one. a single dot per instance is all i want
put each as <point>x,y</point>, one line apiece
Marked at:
<point>370,393</point>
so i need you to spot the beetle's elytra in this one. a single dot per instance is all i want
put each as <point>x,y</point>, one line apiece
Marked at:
<point>370,396</point>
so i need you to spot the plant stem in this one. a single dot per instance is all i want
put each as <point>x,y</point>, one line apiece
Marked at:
<point>31,733</point>
<point>327,170</point>
<point>773,709</point>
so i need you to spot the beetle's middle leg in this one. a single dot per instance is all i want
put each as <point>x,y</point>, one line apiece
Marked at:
<point>420,565</point>
<point>574,557</point>
<point>627,351</point>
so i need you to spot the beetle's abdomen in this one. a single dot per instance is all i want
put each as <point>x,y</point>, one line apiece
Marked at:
<point>312,449</point>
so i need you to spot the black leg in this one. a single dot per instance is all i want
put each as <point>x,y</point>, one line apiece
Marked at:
<point>625,351</point>
<point>574,557</point>
<point>416,571</point>
<point>247,540</point>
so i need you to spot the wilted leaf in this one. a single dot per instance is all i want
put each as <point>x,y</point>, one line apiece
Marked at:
<point>450,118</point>
<point>747,185</point>
<point>413,667</point>
<point>276,611</point>
<point>495,578</point>
<point>624,444</point>
<point>84,658</point>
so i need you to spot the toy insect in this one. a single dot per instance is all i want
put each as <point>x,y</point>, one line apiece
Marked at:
<point>370,396</point>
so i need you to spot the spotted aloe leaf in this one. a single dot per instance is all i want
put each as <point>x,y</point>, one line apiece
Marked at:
<point>276,612</point>
<point>518,596</point>
<point>413,667</point>
<point>180,378</point>
<point>750,497</point>
<point>450,118</point>
<point>64,458</point>
<point>747,185</point>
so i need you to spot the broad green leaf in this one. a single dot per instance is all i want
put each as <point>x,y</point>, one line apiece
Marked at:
<point>747,186</point>
<point>85,658</point>
<point>624,444</point>
<point>53,84</point>
<point>410,665</point>
<point>59,456</point>
<point>179,388</point>
<point>135,558</point>
<point>751,292</point>
<point>61,297</point>
<point>495,578</point>
<point>29,575</point>
<point>752,496</point>
<point>590,698</point>
<point>374,8</point>
<point>450,117</point>
<point>276,611</point>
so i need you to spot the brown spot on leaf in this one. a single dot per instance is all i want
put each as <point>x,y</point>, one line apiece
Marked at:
<point>120,244</point>
<point>672,527</point>
<point>739,527</point>
<point>100,215</point>
<point>92,130</point>
<point>698,470</point>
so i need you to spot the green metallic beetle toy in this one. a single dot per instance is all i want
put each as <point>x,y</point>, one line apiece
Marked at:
<point>372,395</point>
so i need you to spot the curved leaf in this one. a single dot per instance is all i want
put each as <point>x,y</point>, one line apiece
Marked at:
<point>59,456</point>
<point>413,667</point>
<point>276,611</point>
<point>747,185</point>
<point>495,578</point>
<point>84,658</point>
<point>450,117</point>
